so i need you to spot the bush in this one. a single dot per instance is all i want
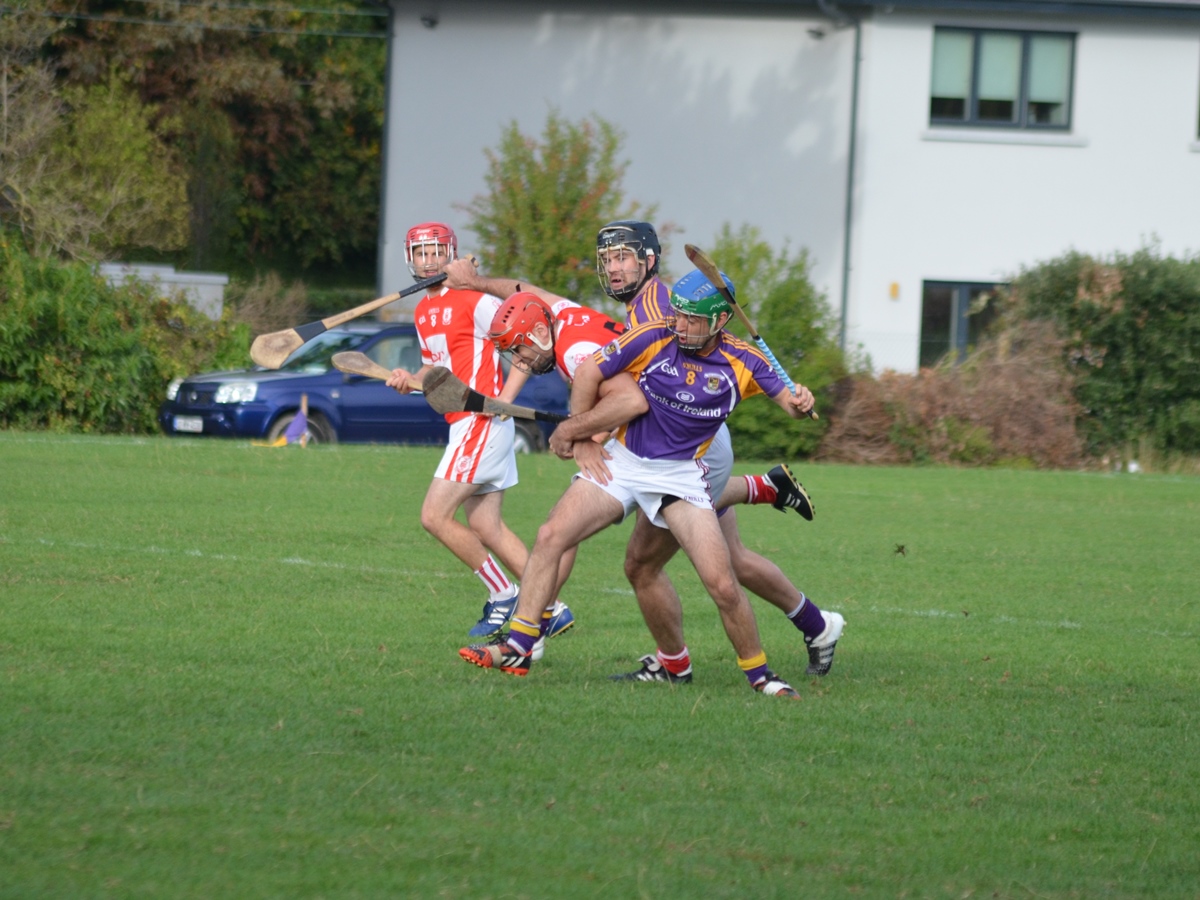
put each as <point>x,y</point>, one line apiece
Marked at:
<point>794,320</point>
<point>1009,403</point>
<point>264,305</point>
<point>1131,335</point>
<point>77,354</point>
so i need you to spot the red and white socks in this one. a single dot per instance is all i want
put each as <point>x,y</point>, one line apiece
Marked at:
<point>760,489</point>
<point>497,583</point>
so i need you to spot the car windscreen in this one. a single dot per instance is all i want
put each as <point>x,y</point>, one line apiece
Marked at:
<point>314,357</point>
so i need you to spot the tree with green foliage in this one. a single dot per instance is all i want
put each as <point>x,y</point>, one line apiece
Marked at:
<point>546,200</point>
<point>118,184</point>
<point>1131,325</point>
<point>84,172</point>
<point>775,289</point>
<point>280,119</point>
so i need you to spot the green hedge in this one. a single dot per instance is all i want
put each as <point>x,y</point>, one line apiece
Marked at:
<point>1132,331</point>
<point>77,354</point>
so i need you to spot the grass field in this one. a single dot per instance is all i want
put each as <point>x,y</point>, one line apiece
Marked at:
<point>228,671</point>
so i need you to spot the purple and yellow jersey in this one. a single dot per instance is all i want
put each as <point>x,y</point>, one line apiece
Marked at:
<point>690,396</point>
<point>652,304</point>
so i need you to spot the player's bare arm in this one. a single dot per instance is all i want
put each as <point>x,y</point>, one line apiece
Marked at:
<point>513,383</point>
<point>462,274</point>
<point>620,401</point>
<point>795,405</point>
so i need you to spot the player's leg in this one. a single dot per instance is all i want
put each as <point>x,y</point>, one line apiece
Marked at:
<point>438,518</point>
<point>582,511</point>
<point>756,573</point>
<point>442,501</point>
<point>699,534</point>
<point>485,519</point>
<point>480,453</point>
<point>649,550</point>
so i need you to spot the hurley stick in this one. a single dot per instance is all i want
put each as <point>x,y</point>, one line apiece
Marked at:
<point>447,393</point>
<point>354,363</point>
<point>710,271</point>
<point>444,391</point>
<point>271,350</point>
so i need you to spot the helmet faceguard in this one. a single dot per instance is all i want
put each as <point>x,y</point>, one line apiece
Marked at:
<point>627,235</point>
<point>695,295</point>
<point>512,327</point>
<point>433,235</point>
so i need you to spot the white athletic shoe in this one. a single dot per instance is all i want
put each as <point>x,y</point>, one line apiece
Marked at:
<point>820,648</point>
<point>538,649</point>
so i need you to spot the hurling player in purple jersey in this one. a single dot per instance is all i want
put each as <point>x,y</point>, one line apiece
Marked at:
<point>693,375</point>
<point>627,256</point>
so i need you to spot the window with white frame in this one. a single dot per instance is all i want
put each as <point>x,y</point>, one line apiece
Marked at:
<point>1001,79</point>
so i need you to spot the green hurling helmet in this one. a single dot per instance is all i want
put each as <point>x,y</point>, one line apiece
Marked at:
<point>695,295</point>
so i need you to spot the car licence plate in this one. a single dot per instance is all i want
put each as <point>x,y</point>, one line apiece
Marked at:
<point>191,424</point>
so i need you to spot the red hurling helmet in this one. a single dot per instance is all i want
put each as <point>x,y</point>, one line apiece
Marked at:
<point>513,325</point>
<point>429,233</point>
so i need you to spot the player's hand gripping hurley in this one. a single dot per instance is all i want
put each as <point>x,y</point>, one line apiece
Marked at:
<point>709,269</point>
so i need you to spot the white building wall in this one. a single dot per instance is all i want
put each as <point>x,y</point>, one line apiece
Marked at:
<point>944,204</point>
<point>727,118</point>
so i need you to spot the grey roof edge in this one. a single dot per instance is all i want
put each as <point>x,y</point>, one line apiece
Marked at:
<point>1176,9</point>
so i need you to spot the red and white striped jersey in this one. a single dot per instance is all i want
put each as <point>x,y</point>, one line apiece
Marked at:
<point>452,327</point>
<point>578,333</point>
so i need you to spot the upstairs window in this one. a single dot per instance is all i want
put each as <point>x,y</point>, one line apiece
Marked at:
<point>1001,79</point>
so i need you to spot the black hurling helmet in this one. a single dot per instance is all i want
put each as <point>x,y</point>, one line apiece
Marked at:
<point>629,234</point>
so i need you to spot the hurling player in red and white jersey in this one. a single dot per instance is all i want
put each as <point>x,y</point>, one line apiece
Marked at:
<point>479,463</point>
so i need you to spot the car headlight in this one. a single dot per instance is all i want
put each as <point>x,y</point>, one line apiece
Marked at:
<point>236,392</point>
<point>173,388</point>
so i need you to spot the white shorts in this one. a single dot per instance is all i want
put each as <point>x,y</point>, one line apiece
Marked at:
<point>480,452</point>
<point>644,483</point>
<point>720,461</point>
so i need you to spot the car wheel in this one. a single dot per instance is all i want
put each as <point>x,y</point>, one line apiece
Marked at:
<point>528,438</point>
<point>319,430</point>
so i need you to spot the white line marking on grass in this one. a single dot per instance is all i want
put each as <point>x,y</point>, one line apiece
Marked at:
<point>1065,624</point>
<point>225,557</point>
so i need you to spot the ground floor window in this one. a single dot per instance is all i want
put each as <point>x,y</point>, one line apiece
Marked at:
<point>954,314</point>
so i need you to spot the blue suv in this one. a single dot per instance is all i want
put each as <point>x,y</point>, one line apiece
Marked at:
<point>260,403</point>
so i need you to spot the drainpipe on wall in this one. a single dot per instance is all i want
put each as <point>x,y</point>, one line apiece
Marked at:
<point>843,19</point>
<point>380,289</point>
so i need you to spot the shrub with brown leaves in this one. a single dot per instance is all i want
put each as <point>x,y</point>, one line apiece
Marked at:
<point>1010,402</point>
<point>266,305</point>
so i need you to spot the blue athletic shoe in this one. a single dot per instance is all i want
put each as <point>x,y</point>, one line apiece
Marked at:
<point>560,622</point>
<point>495,614</point>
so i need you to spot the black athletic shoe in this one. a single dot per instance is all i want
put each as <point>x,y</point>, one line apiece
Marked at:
<point>790,493</point>
<point>652,670</point>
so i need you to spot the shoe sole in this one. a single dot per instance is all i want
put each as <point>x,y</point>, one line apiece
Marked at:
<point>485,662</point>
<point>808,510</point>
<point>567,627</point>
